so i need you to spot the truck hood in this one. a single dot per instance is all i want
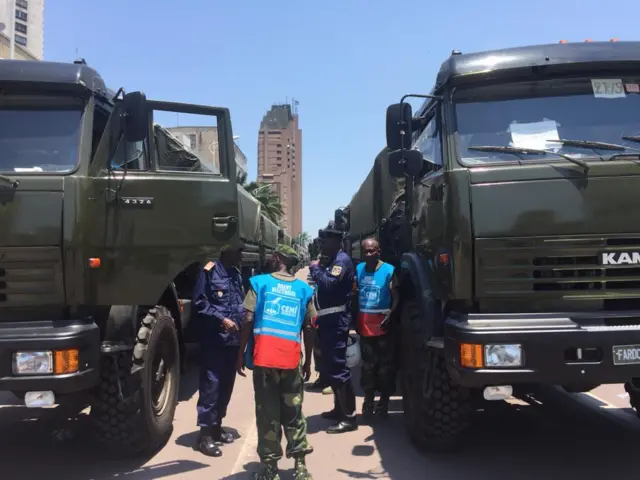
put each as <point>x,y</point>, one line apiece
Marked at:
<point>545,232</point>
<point>550,200</point>
<point>31,272</point>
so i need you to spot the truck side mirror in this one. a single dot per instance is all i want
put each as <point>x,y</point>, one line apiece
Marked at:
<point>405,162</point>
<point>136,117</point>
<point>399,126</point>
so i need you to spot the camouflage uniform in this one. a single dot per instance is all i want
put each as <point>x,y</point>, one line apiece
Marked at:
<point>278,397</point>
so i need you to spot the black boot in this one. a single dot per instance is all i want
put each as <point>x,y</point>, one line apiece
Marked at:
<point>347,401</point>
<point>319,385</point>
<point>367,406</point>
<point>221,436</point>
<point>207,444</point>
<point>336,413</point>
<point>382,408</point>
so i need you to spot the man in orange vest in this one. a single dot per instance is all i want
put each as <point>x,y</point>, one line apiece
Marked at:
<point>278,309</point>
<point>377,293</point>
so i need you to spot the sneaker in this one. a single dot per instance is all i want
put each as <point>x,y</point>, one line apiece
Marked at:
<point>327,391</point>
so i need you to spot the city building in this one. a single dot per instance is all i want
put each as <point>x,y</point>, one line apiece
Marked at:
<point>280,161</point>
<point>202,141</point>
<point>27,17</point>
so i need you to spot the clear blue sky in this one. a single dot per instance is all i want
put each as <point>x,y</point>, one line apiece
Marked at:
<point>343,60</point>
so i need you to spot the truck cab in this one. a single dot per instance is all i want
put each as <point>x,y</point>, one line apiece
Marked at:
<point>522,170</point>
<point>106,219</point>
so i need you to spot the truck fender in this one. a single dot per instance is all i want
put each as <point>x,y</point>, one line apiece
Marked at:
<point>414,267</point>
<point>121,324</point>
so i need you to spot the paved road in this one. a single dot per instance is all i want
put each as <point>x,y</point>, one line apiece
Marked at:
<point>555,435</point>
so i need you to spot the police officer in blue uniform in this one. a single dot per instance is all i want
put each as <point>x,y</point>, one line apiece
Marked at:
<point>334,279</point>
<point>218,298</point>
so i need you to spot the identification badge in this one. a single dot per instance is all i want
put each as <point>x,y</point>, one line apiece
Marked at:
<point>336,270</point>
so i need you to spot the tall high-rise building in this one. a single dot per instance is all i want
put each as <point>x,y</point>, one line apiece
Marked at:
<point>280,161</point>
<point>27,19</point>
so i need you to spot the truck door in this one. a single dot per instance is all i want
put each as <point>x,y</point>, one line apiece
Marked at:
<point>165,203</point>
<point>429,190</point>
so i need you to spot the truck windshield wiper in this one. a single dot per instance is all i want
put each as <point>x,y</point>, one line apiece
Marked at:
<point>529,151</point>
<point>591,145</point>
<point>632,138</point>
<point>11,181</point>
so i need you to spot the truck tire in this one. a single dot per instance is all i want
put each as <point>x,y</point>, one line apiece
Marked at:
<point>633,389</point>
<point>138,419</point>
<point>436,411</point>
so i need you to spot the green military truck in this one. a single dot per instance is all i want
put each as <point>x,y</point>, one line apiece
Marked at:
<point>106,219</point>
<point>514,228</point>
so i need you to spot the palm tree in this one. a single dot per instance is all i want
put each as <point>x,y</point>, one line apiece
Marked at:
<point>303,239</point>
<point>268,199</point>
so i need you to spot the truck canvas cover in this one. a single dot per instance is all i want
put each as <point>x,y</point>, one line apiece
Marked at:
<point>373,200</point>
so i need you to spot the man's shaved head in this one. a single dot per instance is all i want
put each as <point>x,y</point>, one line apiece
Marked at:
<point>370,243</point>
<point>370,249</point>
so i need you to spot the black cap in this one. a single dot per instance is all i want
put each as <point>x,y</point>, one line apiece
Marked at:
<point>332,230</point>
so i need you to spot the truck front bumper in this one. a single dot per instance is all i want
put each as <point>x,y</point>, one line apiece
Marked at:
<point>556,349</point>
<point>42,336</point>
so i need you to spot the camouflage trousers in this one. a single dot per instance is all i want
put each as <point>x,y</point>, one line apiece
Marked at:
<point>278,395</point>
<point>378,363</point>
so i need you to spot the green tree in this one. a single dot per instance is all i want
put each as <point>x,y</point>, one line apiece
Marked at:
<point>303,239</point>
<point>268,199</point>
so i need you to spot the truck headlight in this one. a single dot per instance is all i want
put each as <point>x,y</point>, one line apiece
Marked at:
<point>33,363</point>
<point>503,355</point>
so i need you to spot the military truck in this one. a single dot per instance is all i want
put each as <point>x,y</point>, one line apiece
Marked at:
<point>106,219</point>
<point>515,234</point>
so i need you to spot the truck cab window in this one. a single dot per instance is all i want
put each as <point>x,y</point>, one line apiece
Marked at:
<point>134,155</point>
<point>428,143</point>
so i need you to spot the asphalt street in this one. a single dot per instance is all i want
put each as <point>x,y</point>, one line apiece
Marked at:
<point>553,435</point>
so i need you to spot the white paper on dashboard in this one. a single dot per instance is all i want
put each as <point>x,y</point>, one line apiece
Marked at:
<point>28,169</point>
<point>535,135</point>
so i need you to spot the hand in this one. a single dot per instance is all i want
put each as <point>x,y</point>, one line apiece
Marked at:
<point>315,262</point>
<point>240,365</point>
<point>306,371</point>
<point>385,323</point>
<point>229,325</point>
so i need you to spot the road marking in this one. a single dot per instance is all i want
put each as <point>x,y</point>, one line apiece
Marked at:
<point>250,443</point>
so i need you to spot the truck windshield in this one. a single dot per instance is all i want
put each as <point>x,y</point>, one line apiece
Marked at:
<point>534,114</point>
<point>39,133</point>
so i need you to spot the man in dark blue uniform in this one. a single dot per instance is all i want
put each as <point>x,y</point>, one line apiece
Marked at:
<point>218,298</point>
<point>334,279</point>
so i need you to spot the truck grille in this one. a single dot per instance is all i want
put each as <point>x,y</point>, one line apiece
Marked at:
<point>30,276</point>
<point>569,266</point>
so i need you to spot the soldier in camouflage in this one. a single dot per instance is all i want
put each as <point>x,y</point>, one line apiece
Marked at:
<point>276,357</point>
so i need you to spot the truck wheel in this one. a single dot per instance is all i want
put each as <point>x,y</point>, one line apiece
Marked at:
<point>633,389</point>
<point>135,414</point>
<point>436,410</point>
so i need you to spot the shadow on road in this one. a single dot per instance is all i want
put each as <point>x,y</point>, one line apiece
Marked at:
<point>36,442</point>
<point>551,436</point>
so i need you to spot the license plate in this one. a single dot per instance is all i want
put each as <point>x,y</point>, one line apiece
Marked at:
<point>626,354</point>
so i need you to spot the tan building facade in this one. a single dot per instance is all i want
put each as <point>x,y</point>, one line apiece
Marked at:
<point>202,141</point>
<point>19,52</point>
<point>280,162</point>
<point>27,19</point>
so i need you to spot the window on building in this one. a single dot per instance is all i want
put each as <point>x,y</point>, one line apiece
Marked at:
<point>20,15</point>
<point>193,143</point>
<point>21,40</point>
<point>21,27</point>
<point>22,4</point>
